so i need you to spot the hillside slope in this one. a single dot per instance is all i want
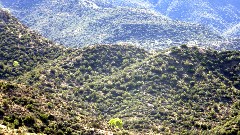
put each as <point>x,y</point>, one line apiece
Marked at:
<point>175,91</point>
<point>32,110</point>
<point>21,49</point>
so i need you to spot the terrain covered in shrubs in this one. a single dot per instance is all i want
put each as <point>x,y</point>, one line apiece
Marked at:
<point>54,90</point>
<point>19,44</point>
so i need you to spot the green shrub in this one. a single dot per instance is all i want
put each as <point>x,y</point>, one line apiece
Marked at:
<point>29,107</point>
<point>1,112</point>
<point>44,117</point>
<point>50,105</point>
<point>9,118</point>
<point>184,46</point>
<point>29,121</point>
<point>48,130</point>
<point>16,123</point>
<point>116,122</point>
<point>60,132</point>
<point>16,63</point>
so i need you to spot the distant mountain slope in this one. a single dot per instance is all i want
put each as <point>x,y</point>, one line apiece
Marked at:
<point>23,47</point>
<point>80,23</point>
<point>233,31</point>
<point>220,15</point>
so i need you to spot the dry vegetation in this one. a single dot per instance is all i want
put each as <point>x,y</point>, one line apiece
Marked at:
<point>181,90</point>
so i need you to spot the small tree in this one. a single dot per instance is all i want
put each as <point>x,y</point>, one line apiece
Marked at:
<point>15,63</point>
<point>116,122</point>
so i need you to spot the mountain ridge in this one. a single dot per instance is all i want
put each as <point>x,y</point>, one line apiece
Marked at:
<point>73,23</point>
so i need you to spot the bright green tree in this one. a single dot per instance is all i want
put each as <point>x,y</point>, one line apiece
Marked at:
<point>15,63</point>
<point>116,122</point>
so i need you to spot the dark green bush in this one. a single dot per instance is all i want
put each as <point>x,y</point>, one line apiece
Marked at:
<point>29,121</point>
<point>44,117</point>
<point>1,113</point>
<point>29,107</point>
